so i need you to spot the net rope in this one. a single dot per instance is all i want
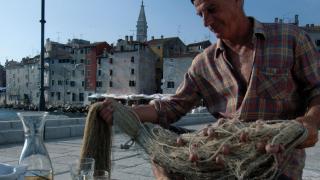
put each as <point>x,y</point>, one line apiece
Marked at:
<point>227,149</point>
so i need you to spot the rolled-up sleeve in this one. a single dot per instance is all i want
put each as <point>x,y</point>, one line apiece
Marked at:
<point>186,97</point>
<point>308,66</point>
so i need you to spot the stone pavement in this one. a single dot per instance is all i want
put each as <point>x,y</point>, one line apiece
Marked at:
<point>130,164</point>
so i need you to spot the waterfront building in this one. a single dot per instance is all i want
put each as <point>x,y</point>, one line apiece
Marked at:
<point>198,46</point>
<point>163,48</point>
<point>174,68</point>
<point>312,30</point>
<point>2,76</point>
<point>23,81</point>
<point>129,68</point>
<point>73,71</point>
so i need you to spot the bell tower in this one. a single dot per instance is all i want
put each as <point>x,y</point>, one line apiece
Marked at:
<point>142,26</point>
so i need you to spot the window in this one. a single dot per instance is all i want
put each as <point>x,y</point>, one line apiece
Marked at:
<point>318,42</point>
<point>110,60</point>
<point>110,84</point>
<point>82,83</point>
<point>99,72</point>
<point>52,72</point>
<point>52,82</point>
<point>72,61</point>
<point>99,84</point>
<point>159,47</point>
<point>81,61</point>
<point>110,72</point>
<point>67,82</point>
<point>59,82</point>
<point>52,61</point>
<point>58,95</point>
<point>82,72</point>
<point>132,71</point>
<point>132,59</point>
<point>170,84</point>
<point>27,84</point>
<point>52,94</point>
<point>73,96</point>
<point>132,83</point>
<point>81,97</point>
<point>81,51</point>
<point>99,61</point>
<point>73,73</point>
<point>72,83</point>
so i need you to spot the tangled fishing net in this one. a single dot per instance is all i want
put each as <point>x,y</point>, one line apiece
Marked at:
<point>228,149</point>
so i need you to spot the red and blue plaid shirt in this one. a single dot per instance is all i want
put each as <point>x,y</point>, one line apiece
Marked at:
<point>285,76</point>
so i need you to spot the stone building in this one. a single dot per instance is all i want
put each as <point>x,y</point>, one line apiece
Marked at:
<point>314,33</point>
<point>312,30</point>
<point>23,81</point>
<point>2,76</point>
<point>73,71</point>
<point>129,68</point>
<point>174,68</point>
<point>165,47</point>
<point>198,46</point>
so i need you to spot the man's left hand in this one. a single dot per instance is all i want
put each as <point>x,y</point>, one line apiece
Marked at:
<point>311,125</point>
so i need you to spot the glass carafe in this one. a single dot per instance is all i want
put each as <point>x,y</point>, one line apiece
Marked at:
<point>34,154</point>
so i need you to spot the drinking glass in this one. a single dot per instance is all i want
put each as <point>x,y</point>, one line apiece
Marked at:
<point>101,175</point>
<point>82,169</point>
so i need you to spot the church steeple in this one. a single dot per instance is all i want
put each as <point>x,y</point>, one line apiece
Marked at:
<point>142,25</point>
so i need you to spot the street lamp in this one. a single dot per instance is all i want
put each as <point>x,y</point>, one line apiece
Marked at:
<point>42,105</point>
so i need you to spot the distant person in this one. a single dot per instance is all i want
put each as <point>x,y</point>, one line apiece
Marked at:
<point>254,71</point>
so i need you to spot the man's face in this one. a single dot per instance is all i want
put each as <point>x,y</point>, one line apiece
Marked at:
<point>219,15</point>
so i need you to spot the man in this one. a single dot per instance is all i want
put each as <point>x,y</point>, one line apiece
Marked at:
<point>254,71</point>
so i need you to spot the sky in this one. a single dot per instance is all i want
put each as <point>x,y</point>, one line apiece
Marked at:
<point>110,20</point>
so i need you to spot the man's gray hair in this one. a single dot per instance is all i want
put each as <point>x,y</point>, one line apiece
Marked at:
<point>192,1</point>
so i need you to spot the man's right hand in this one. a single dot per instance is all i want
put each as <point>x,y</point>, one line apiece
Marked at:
<point>106,113</point>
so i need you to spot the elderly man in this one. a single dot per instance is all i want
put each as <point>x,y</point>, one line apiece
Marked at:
<point>253,71</point>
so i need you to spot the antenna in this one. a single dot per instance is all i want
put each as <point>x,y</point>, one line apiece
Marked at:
<point>178,30</point>
<point>58,36</point>
<point>132,31</point>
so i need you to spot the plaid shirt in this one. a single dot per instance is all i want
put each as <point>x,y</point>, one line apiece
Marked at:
<point>285,76</point>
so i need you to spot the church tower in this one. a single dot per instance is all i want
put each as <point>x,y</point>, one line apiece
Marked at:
<point>142,25</point>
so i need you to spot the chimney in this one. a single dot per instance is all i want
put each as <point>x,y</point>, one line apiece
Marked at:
<point>131,38</point>
<point>296,19</point>
<point>152,37</point>
<point>161,36</point>
<point>126,37</point>
<point>276,20</point>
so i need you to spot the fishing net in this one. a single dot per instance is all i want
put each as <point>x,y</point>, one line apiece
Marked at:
<point>228,149</point>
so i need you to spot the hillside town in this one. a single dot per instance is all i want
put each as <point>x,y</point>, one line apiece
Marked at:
<point>78,69</point>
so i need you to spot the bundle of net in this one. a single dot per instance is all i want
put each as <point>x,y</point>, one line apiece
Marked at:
<point>227,149</point>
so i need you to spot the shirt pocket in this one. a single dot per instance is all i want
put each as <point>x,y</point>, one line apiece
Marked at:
<point>272,83</point>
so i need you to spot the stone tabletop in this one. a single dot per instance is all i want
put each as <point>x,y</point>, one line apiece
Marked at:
<point>130,164</point>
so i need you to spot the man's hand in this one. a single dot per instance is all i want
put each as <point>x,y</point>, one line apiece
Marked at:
<point>310,123</point>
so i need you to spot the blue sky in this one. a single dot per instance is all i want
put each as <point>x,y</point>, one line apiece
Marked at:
<point>109,20</point>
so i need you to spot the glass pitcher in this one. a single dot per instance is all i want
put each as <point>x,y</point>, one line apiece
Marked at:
<point>34,154</point>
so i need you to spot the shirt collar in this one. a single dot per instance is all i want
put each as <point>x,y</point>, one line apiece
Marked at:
<point>258,31</point>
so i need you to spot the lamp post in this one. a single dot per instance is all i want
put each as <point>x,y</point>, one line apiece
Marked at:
<point>42,21</point>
